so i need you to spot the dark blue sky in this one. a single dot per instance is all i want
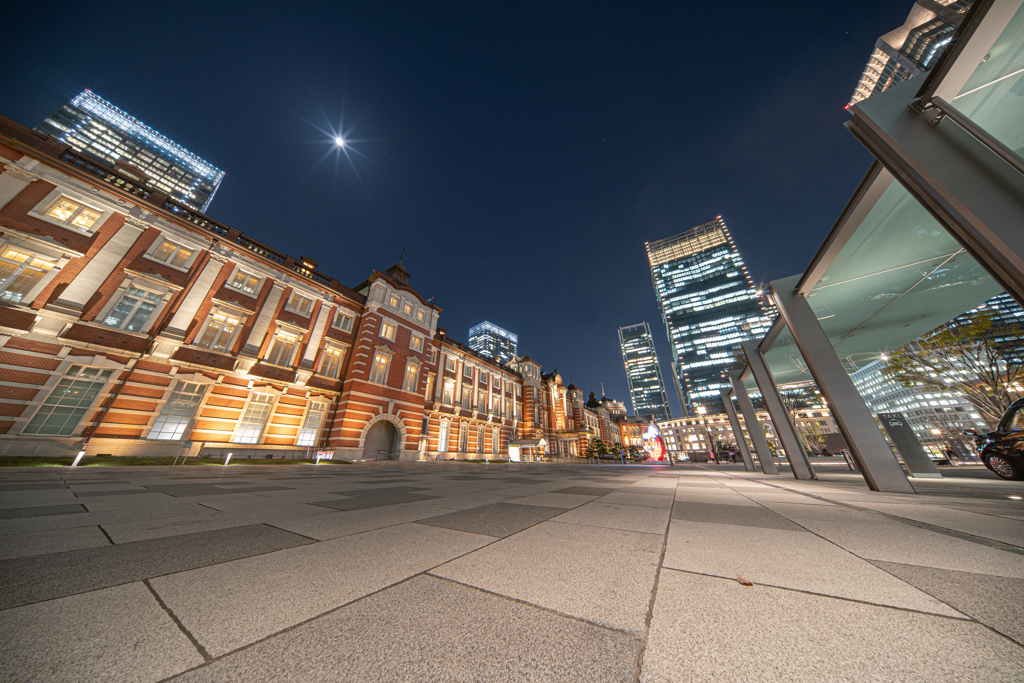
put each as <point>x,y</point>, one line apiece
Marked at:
<point>522,154</point>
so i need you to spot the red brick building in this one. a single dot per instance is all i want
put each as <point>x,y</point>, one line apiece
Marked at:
<point>132,324</point>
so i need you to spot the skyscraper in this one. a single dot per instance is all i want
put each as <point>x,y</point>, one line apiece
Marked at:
<point>489,340</point>
<point>91,125</point>
<point>709,305</point>
<point>646,386</point>
<point>911,49</point>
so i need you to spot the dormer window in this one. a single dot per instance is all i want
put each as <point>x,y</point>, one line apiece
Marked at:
<point>407,308</point>
<point>393,301</point>
<point>420,314</point>
<point>72,213</point>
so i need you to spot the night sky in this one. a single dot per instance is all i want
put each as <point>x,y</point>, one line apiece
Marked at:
<point>521,154</point>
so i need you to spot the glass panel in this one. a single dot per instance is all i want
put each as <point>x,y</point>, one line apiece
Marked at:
<point>63,209</point>
<point>21,285</point>
<point>68,403</point>
<point>379,371</point>
<point>164,252</point>
<point>255,417</point>
<point>311,425</point>
<point>86,218</point>
<point>177,412</point>
<point>218,333</point>
<point>181,257</point>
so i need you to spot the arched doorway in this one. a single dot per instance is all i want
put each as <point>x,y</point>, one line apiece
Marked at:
<point>381,441</point>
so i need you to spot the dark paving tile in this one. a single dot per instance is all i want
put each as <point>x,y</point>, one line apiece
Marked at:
<point>739,515</point>
<point>364,493</point>
<point>188,490</point>
<point>116,492</point>
<point>32,487</point>
<point>523,480</point>
<point>447,633</point>
<point>45,577</point>
<point>42,511</point>
<point>390,480</point>
<point>499,519</point>
<point>993,600</point>
<point>587,490</point>
<point>364,502</point>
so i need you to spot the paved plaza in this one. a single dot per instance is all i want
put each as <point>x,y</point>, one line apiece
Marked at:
<point>404,571</point>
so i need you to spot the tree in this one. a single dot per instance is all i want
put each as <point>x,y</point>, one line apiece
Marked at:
<point>594,450</point>
<point>972,356</point>
<point>811,433</point>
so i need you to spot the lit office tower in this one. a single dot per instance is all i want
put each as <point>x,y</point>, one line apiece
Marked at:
<point>911,49</point>
<point>91,125</point>
<point>489,340</point>
<point>709,305</point>
<point>646,386</point>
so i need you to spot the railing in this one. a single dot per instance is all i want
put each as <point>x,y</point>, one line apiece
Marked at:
<point>196,218</point>
<point>106,174</point>
<point>980,134</point>
<point>261,249</point>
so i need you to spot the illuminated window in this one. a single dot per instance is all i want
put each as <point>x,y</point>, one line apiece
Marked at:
<point>19,273</point>
<point>220,330</point>
<point>429,392</point>
<point>73,213</point>
<point>407,308</point>
<point>450,363</point>
<point>254,418</point>
<point>244,282</point>
<point>495,441</point>
<point>442,437</point>
<point>480,440</point>
<point>467,396</point>
<point>464,439</point>
<point>379,369</point>
<point>172,254</point>
<point>69,401</point>
<point>311,424</point>
<point>132,312</point>
<point>412,376</point>
<point>416,343</point>
<point>178,411</point>
<point>420,314</point>
<point>343,321</point>
<point>388,330</point>
<point>331,360</point>
<point>393,301</point>
<point>282,348</point>
<point>467,371</point>
<point>449,392</point>
<point>300,304</point>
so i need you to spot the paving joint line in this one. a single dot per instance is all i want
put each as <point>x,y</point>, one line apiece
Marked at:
<point>966,618</point>
<point>638,668</point>
<point>177,622</point>
<point>100,527</point>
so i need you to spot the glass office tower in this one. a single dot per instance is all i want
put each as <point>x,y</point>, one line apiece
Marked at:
<point>646,386</point>
<point>489,340</point>
<point>90,124</point>
<point>709,305</point>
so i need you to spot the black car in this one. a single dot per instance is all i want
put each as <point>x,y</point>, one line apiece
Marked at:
<point>1002,451</point>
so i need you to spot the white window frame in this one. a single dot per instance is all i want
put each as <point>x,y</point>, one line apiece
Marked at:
<point>178,244</point>
<point>411,364</point>
<point>408,308</point>
<point>451,364</point>
<point>21,266</point>
<point>225,310</point>
<point>42,208</point>
<point>394,301</point>
<point>343,316</point>
<point>382,353</point>
<point>325,355</point>
<point>443,434</point>
<point>384,323</point>
<point>181,429</point>
<point>73,372</point>
<point>122,291</point>
<point>416,338</point>
<point>294,309</point>
<point>421,314</point>
<point>239,269</point>
<point>237,436</point>
<point>309,435</point>
<point>282,330</point>
<point>448,391</point>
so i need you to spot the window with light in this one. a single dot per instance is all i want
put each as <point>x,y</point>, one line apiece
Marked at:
<point>330,361</point>
<point>68,403</point>
<point>172,421</point>
<point>311,424</point>
<point>254,419</point>
<point>219,332</point>
<point>74,214</point>
<point>19,274</point>
<point>133,310</point>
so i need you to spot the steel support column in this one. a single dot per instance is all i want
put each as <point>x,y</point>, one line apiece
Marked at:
<point>741,443</point>
<point>764,454</point>
<point>877,463</point>
<point>784,427</point>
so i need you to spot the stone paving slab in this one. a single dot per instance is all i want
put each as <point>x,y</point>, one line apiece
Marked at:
<point>336,524</point>
<point>57,540</point>
<point>711,629</point>
<point>42,511</point>
<point>587,490</point>
<point>648,520</point>
<point>604,576</point>
<point>219,605</point>
<point>981,596</point>
<point>740,515</point>
<point>625,497</point>
<point>499,519</point>
<point>45,577</point>
<point>553,500</point>
<point>364,502</point>
<point>427,629</point>
<point>894,541</point>
<point>790,559</point>
<point>985,526</point>
<point>115,634</point>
